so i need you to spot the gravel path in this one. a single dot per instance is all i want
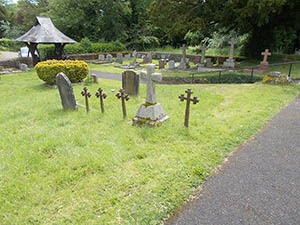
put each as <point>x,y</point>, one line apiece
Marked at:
<point>260,184</point>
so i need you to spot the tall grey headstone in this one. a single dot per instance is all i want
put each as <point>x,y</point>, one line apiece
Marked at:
<point>151,113</point>
<point>109,58</point>
<point>101,57</point>
<point>119,58</point>
<point>130,82</point>
<point>66,91</point>
<point>127,57</point>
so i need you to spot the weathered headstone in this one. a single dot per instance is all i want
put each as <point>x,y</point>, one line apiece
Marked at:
<point>101,57</point>
<point>197,60</point>
<point>266,53</point>
<point>146,60</point>
<point>149,55</point>
<point>131,82</point>
<point>109,58</point>
<point>171,64</point>
<point>119,58</point>
<point>127,57</point>
<point>139,56</point>
<point>163,56</point>
<point>203,49</point>
<point>24,67</point>
<point>183,63</point>
<point>208,62</point>
<point>66,91</point>
<point>150,113</point>
<point>230,62</point>
<point>161,64</point>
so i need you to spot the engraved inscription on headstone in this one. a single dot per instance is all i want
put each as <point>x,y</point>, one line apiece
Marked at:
<point>66,91</point>
<point>130,82</point>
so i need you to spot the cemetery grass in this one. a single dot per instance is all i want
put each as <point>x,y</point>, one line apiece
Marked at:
<point>69,167</point>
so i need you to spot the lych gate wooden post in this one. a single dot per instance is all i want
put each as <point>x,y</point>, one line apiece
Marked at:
<point>121,94</point>
<point>188,101</point>
<point>100,94</point>
<point>87,95</point>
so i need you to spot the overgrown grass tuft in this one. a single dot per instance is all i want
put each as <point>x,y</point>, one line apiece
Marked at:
<point>65,167</point>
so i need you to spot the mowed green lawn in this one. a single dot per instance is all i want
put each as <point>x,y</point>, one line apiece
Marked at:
<point>69,167</point>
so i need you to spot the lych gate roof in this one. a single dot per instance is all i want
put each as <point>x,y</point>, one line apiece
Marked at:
<point>44,32</point>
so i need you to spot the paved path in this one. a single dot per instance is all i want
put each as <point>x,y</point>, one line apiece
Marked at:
<point>261,182</point>
<point>111,76</point>
<point>8,55</point>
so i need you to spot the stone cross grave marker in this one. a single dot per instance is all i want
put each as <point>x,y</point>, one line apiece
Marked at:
<point>66,92</point>
<point>131,82</point>
<point>151,113</point>
<point>266,53</point>
<point>109,58</point>
<point>183,63</point>
<point>101,57</point>
<point>232,43</point>
<point>119,58</point>
<point>87,95</point>
<point>124,97</point>
<point>203,49</point>
<point>101,95</point>
<point>188,101</point>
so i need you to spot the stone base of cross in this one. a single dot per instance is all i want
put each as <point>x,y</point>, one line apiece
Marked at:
<point>150,113</point>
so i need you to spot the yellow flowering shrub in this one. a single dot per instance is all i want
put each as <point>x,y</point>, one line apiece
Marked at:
<point>75,70</point>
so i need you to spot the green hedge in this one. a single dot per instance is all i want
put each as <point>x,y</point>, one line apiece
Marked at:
<point>75,70</point>
<point>46,51</point>
<point>10,45</point>
<point>228,78</point>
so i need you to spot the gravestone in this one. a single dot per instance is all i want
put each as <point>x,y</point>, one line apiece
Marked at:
<point>230,62</point>
<point>149,55</point>
<point>101,57</point>
<point>146,60</point>
<point>183,63</point>
<point>163,56</point>
<point>203,50</point>
<point>266,53</point>
<point>119,58</point>
<point>208,62</point>
<point>171,64</point>
<point>197,60</point>
<point>139,56</point>
<point>127,57</point>
<point>109,58</point>
<point>161,64</point>
<point>23,67</point>
<point>130,82</point>
<point>150,113</point>
<point>134,54</point>
<point>66,91</point>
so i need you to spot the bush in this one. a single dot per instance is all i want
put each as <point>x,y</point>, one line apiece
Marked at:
<point>75,70</point>
<point>11,45</point>
<point>229,78</point>
<point>85,46</point>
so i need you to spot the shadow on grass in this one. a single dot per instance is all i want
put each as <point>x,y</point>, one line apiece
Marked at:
<point>43,88</point>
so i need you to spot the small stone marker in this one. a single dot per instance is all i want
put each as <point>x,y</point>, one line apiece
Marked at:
<point>101,57</point>
<point>146,60</point>
<point>150,113</point>
<point>188,101</point>
<point>266,53</point>
<point>230,62</point>
<point>109,58</point>
<point>161,64</point>
<point>131,82</point>
<point>66,91</point>
<point>139,56</point>
<point>87,95</point>
<point>127,57</point>
<point>171,64</point>
<point>208,62</point>
<point>95,78</point>
<point>100,94</point>
<point>123,96</point>
<point>23,67</point>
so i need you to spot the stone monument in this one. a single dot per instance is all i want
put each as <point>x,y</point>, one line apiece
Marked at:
<point>231,62</point>
<point>171,65</point>
<point>202,61</point>
<point>130,82</point>
<point>150,113</point>
<point>266,53</point>
<point>66,91</point>
<point>109,58</point>
<point>184,62</point>
<point>161,64</point>
<point>127,57</point>
<point>119,58</point>
<point>101,57</point>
